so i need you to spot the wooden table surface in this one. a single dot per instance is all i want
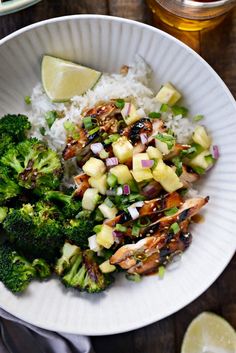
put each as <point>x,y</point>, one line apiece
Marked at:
<point>218,48</point>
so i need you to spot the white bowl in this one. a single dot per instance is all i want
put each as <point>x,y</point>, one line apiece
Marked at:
<point>11,6</point>
<point>105,43</point>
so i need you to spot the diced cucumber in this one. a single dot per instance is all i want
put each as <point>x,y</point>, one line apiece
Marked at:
<point>90,199</point>
<point>201,137</point>
<point>168,94</point>
<point>122,149</point>
<point>105,237</point>
<point>111,180</point>
<point>122,173</point>
<point>99,183</point>
<point>106,267</point>
<point>108,212</point>
<point>94,167</point>
<point>166,176</point>
<point>154,153</point>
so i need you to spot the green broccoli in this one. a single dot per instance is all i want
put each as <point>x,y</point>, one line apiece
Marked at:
<point>42,268</point>
<point>34,164</point>
<point>34,234</point>
<point>79,269</point>
<point>70,207</point>
<point>6,142</point>
<point>80,229</point>
<point>14,127</point>
<point>3,213</point>
<point>8,187</point>
<point>15,271</point>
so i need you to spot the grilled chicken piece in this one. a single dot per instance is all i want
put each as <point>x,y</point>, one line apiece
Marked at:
<point>157,126</point>
<point>124,70</point>
<point>82,184</point>
<point>187,177</point>
<point>189,208</point>
<point>178,148</point>
<point>142,126</point>
<point>150,207</point>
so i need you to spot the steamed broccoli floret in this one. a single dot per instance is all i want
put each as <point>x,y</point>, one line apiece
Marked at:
<point>34,165</point>
<point>69,206</point>
<point>79,269</point>
<point>8,187</point>
<point>15,271</point>
<point>14,127</point>
<point>80,229</point>
<point>35,235</point>
<point>42,268</point>
<point>6,142</point>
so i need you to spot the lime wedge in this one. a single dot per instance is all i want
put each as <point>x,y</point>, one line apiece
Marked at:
<point>63,79</point>
<point>209,333</point>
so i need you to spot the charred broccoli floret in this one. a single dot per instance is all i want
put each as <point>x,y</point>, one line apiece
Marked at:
<point>69,206</point>
<point>80,229</point>
<point>36,236</point>
<point>14,127</point>
<point>79,269</point>
<point>8,187</point>
<point>15,271</point>
<point>34,165</point>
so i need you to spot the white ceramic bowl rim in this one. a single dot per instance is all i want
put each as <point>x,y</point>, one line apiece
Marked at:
<point>131,325</point>
<point>15,5</point>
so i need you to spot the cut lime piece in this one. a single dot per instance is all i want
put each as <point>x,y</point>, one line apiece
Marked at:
<point>209,333</point>
<point>63,79</point>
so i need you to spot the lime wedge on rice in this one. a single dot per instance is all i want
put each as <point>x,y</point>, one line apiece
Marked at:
<point>209,333</point>
<point>63,79</point>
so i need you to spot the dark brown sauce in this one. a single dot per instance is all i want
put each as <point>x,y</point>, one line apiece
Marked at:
<point>198,218</point>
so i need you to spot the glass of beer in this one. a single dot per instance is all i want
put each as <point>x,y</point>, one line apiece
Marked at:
<point>191,15</point>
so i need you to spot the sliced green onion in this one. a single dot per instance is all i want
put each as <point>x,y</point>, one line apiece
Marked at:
<point>93,131</point>
<point>199,170</point>
<point>168,139</point>
<point>135,230</point>
<point>179,165</point>
<point>69,126</point>
<point>97,228</point>
<point>135,277</point>
<point>120,103</point>
<point>103,154</point>
<point>42,130</point>
<point>161,271</point>
<point>198,117</point>
<point>133,186</point>
<point>209,159</point>
<point>193,151</point>
<point>88,123</point>
<point>114,137</point>
<point>143,222</point>
<point>111,180</point>
<point>108,202</point>
<point>177,110</point>
<point>120,227</point>
<point>154,115</point>
<point>27,100</point>
<point>164,107</point>
<point>175,227</point>
<point>51,117</point>
<point>171,211</point>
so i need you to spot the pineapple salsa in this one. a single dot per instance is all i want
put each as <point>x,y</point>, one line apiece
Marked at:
<point>98,178</point>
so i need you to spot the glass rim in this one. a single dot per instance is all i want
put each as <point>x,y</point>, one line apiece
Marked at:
<point>198,4</point>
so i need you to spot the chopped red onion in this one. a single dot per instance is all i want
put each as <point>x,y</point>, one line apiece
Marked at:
<point>143,138</point>
<point>216,153</point>
<point>126,110</point>
<point>117,234</point>
<point>147,163</point>
<point>133,212</point>
<point>96,147</point>
<point>110,162</point>
<point>138,204</point>
<point>126,189</point>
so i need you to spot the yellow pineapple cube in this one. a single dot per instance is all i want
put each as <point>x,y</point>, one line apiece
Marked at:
<point>122,149</point>
<point>122,173</point>
<point>168,94</point>
<point>94,167</point>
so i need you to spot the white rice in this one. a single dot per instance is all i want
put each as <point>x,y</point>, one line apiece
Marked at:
<point>111,86</point>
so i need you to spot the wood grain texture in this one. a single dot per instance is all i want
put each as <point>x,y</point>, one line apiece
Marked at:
<point>218,47</point>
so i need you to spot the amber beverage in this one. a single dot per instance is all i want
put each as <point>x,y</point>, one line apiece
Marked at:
<point>191,15</point>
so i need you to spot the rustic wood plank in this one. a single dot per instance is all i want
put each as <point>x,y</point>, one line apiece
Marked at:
<point>132,9</point>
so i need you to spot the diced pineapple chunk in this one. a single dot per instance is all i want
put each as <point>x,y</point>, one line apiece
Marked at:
<point>122,173</point>
<point>168,94</point>
<point>154,153</point>
<point>201,137</point>
<point>162,146</point>
<point>137,160</point>
<point>108,212</point>
<point>99,183</point>
<point>142,174</point>
<point>90,199</point>
<point>94,167</point>
<point>122,149</point>
<point>201,161</point>
<point>105,237</point>
<point>166,176</point>
<point>129,114</point>
<point>106,267</point>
